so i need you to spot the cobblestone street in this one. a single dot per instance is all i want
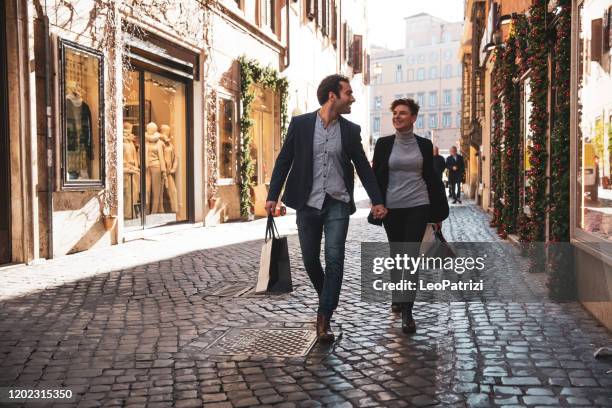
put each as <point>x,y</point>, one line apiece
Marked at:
<point>122,334</point>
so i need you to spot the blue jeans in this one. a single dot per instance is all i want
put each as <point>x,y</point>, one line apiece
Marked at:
<point>333,219</point>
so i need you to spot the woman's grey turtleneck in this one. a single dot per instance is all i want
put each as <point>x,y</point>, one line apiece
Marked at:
<point>406,185</point>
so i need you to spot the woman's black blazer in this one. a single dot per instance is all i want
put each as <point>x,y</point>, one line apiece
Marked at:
<point>435,188</point>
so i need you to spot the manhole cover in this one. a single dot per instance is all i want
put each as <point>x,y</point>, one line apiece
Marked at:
<point>232,289</point>
<point>265,342</point>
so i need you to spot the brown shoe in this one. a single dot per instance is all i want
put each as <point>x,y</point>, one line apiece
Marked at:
<point>324,333</point>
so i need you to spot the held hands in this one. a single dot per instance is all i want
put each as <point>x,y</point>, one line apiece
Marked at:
<point>379,211</point>
<point>270,207</point>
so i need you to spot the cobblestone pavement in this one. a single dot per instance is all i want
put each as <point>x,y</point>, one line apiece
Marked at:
<point>138,336</point>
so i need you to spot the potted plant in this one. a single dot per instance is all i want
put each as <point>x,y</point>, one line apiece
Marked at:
<point>108,219</point>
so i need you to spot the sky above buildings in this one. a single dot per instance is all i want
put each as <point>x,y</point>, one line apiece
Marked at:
<point>386,17</point>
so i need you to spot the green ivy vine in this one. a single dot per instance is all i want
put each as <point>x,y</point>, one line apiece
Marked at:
<point>511,152</point>
<point>497,139</point>
<point>561,279</point>
<point>251,73</point>
<point>535,194</point>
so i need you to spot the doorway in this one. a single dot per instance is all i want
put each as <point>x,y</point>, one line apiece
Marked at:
<point>5,201</point>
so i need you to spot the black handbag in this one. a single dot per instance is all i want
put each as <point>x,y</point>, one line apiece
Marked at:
<point>440,248</point>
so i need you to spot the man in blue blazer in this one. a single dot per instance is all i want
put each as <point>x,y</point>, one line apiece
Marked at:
<point>316,161</point>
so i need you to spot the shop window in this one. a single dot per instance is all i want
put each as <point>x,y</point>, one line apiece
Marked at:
<point>82,96</point>
<point>227,140</point>
<point>593,155</point>
<point>155,160</point>
<point>265,136</point>
<point>527,135</point>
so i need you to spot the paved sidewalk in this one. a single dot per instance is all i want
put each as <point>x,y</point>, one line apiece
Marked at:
<point>128,326</point>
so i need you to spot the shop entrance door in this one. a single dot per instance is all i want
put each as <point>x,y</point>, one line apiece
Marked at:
<point>5,200</point>
<point>154,150</point>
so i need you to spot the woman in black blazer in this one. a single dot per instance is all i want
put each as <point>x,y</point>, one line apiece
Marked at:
<point>413,195</point>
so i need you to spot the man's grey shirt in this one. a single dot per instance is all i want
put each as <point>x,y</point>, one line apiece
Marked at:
<point>327,175</point>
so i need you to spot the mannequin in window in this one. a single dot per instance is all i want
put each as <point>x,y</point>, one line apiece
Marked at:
<point>172,163</point>
<point>156,169</point>
<point>131,172</point>
<point>78,133</point>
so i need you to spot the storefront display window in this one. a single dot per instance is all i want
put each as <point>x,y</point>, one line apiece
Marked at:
<point>154,150</point>
<point>527,137</point>
<point>82,116</point>
<point>594,121</point>
<point>227,141</point>
<point>265,138</point>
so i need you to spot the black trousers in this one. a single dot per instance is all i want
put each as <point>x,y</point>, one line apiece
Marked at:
<point>405,228</point>
<point>455,188</point>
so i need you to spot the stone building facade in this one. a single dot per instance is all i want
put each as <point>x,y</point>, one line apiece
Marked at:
<point>124,117</point>
<point>427,71</point>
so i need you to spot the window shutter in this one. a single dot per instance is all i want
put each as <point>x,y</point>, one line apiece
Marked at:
<point>349,46</point>
<point>324,12</point>
<point>311,9</point>
<point>357,54</point>
<point>334,24</point>
<point>366,70</point>
<point>596,39</point>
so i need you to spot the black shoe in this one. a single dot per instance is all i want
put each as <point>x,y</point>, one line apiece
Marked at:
<point>459,201</point>
<point>396,307</point>
<point>454,201</point>
<point>408,323</point>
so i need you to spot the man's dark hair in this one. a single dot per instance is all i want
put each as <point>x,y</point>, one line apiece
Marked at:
<point>410,103</point>
<point>330,83</point>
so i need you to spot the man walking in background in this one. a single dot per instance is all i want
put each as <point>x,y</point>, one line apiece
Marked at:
<point>438,162</point>
<point>317,161</point>
<point>456,168</point>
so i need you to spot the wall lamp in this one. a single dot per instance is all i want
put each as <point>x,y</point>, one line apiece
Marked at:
<point>491,46</point>
<point>507,18</point>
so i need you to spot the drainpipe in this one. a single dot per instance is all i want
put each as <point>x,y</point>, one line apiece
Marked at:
<point>287,48</point>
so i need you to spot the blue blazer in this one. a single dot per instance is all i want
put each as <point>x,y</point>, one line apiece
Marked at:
<point>296,160</point>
